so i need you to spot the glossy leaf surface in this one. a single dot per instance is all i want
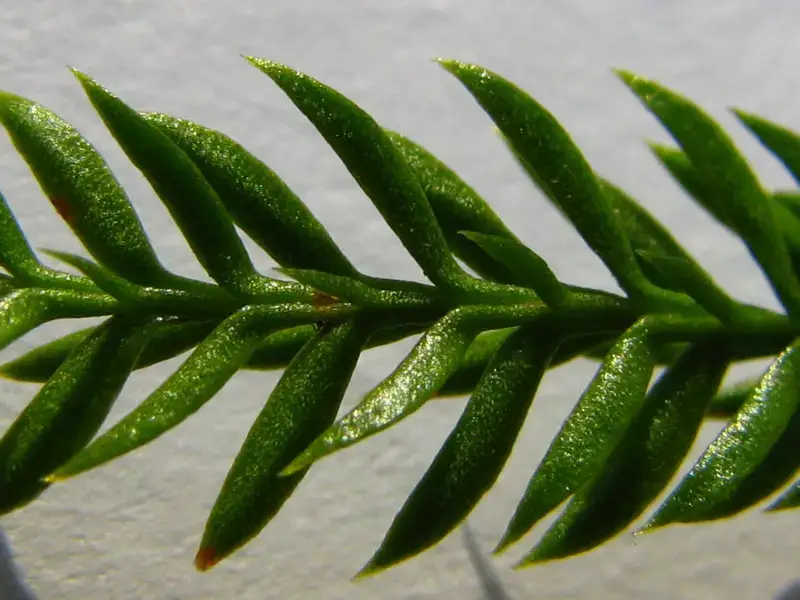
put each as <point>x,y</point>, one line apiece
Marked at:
<point>591,432</point>
<point>645,460</point>
<point>303,403</point>
<point>196,381</point>
<point>740,447</point>
<point>68,410</point>
<point>257,199</point>
<point>476,450</point>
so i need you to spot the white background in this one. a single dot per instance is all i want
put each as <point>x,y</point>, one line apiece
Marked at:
<point>130,530</point>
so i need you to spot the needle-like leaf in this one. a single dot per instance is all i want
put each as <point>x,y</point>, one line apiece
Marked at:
<point>300,407</point>
<point>196,381</point>
<point>725,172</point>
<point>191,201</point>
<point>740,448</point>
<point>257,199</point>
<point>475,451</point>
<point>68,410</point>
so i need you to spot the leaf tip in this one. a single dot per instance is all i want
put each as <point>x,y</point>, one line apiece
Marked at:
<point>205,559</point>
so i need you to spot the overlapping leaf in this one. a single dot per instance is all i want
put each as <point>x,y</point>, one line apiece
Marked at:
<point>492,337</point>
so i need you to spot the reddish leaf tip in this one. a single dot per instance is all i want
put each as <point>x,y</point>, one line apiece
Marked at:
<point>205,559</point>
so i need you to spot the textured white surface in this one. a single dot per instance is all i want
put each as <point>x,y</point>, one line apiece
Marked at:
<point>129,531</point>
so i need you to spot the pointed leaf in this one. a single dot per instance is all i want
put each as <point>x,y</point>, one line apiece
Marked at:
<point>25,309</point>
<point>167,338</point>
<point>560,168</point>
<point>476,450</point>
<point>457,207</point>
<point>739,448</point>
<point>376,165</point>
<point>68,410</point>
<point>417,379</point>
<point>726,173</point>
<point>776,470</point>
<point>303,403</point>
<point>591,432</point>
<point>257,199</point>
<point>781,141</point>
<point>189,198</point>
<point>196,381</point>
<point>644,462</point>
<point>81,187</point>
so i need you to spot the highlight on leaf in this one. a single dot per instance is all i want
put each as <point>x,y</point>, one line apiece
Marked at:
<point>491,321</point>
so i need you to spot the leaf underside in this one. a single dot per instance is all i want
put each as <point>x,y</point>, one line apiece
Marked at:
<point>491,335</point>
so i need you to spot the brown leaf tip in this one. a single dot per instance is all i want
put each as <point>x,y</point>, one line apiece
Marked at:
<point>205,559</point>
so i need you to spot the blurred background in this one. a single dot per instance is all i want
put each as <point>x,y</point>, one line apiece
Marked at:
<point>129,530</point>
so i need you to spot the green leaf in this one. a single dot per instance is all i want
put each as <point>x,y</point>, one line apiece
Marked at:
<point>725,173</point>
<point>82,189</point>
<point>527,267</point>
<point>438,355</point>
<point>376,165</point>
<point>475,452</point>
<point>363,295</point>
<point>739,448</point>
<point>196,381</point>
<point>303,403</point>
<point>644,462</point>
<point>644,231</point>
<point>457,207</point>
<point>692,279</point>
<point>199,302</point>
<point>781,141</point>
<point>26,309</point>
<point>68,410</point>
<point>559,167</point>
<point>257,199</point>
<point>592,431</point>
<point>191,201</point>
<point>776,470</point>
<point>167,339</point>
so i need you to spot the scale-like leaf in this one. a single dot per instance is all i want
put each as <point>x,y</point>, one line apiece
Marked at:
<point>303,403</point>
<point>25,309</point>
<point>739,448</point>
<point>781,141</point>
<point>167,338</point>
<point>82,189</point>
<point>591,432</point>
<point>68,410</point>
<point>438,355</point>
<point>725,173</point>
<point>559,166</point>
<point>476,450</point>
<point>257,199</point>
<point>644,462</point>
<point>457,207</point>
<point>527,267</point>
<point>196,381</point>
<point>191,201</point>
